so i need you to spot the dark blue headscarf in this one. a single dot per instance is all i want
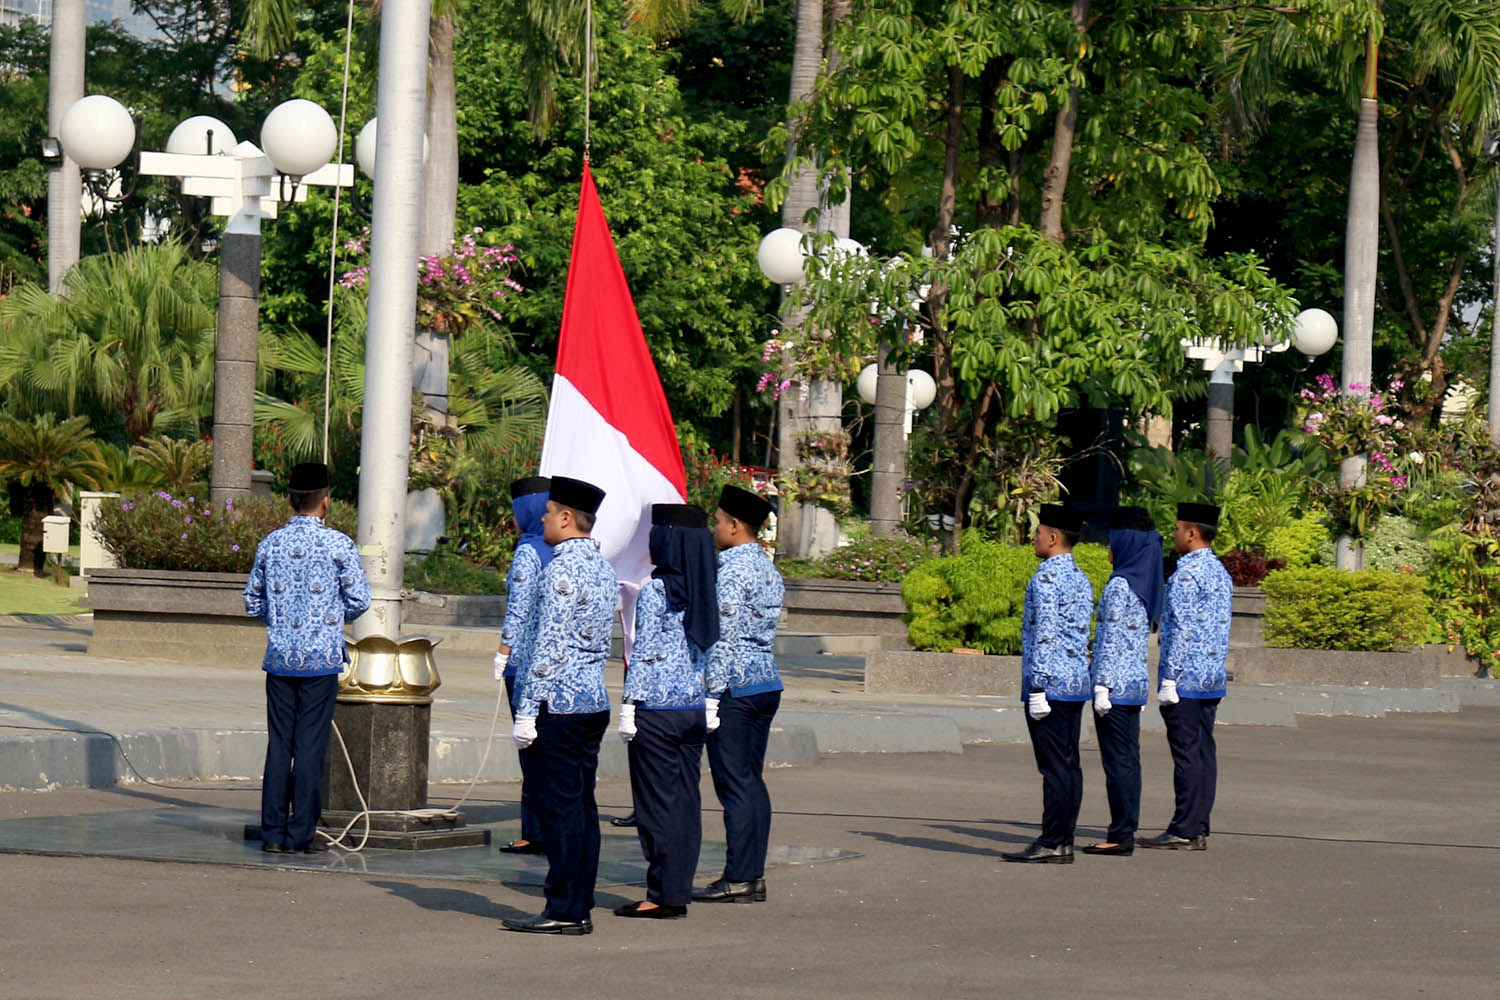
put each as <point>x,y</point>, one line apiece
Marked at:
<point>687,565</point>
<point>1137,556</point>
<point>529,509</point>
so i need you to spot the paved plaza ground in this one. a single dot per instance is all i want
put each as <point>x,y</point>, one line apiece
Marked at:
<point>1350,857</point>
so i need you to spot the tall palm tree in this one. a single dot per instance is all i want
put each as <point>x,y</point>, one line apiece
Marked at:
<point>131,333</point>
<point>45,459</point>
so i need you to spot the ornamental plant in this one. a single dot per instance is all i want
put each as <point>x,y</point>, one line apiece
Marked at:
<point>876,560</point>
<point>455,290</point>
<point>162,531</point>
<point>1359,421</point>
<point>976,599</point>
<point>1325,608</point>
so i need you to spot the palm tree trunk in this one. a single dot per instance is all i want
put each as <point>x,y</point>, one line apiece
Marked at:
<point>1361,248</point>
<point>801,198</point>
<point>32,559</point>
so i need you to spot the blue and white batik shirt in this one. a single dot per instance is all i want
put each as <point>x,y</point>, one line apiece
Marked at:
<point>307,581</point>
<point>1195,626</point>
<point>1055,631</point>
<point>750,589</point>
<point>575,614</point>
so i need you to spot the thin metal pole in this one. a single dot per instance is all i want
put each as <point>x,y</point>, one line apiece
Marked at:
<point>333,245</point>
<point>588,72</point>
<point>385,439</point>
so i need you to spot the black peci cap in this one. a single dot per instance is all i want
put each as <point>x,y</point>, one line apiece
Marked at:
<point>747,506</point>
<point>1198,513</point>
<point>1055,515</point>
<point>309,477</point>
<point>529,485</point>
<point>1131,519</point>
<point>575,493</point>
<point>679,515</point>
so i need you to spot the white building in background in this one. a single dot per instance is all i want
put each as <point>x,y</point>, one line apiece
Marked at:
<point>13,12</point>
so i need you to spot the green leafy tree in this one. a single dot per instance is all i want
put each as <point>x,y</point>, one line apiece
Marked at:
<point>45,459</point>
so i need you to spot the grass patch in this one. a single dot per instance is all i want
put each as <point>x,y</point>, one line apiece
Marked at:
<point>24,594</point>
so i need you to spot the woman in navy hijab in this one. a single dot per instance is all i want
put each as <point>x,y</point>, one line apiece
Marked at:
<point>1129,609</point>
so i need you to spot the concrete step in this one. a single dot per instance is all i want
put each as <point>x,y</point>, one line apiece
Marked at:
<point>1476,691</point>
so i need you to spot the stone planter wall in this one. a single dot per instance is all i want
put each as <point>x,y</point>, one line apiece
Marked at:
<point>844,607</point>
<point>1420,668</point>
<point>187,617</point>
<point>912,672</point>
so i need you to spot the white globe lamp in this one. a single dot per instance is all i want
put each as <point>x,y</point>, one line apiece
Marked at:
<point>97,132</point>
<point>869,377</point>
<point>921,388</point>
<point>781,256</point>
<point>201,134</point>
<point>298,137</point>
<point>364,147</point>
<point>1314,332</point>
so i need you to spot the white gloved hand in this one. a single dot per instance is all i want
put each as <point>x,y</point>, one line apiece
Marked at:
<point>627,722</point>
<point>1036,705</point>
<point>524,731</point>
<point>1102,704</point>
<point>1167,694</point>
<point>711,713</point>
<point>501,659</point>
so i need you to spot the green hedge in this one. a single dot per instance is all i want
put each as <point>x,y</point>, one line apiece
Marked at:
<point>883,560</point>
<point>1324,608</point>
<point>976,599</point>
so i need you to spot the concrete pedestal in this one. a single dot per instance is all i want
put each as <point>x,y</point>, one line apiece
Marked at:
<point>387,745</point>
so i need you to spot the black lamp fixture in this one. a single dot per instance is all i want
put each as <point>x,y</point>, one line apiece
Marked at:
<point>52,151</point>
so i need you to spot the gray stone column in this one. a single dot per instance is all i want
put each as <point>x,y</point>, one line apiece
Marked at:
<point>64,186</point>
<point>234,365</point>
<point>1220,433</point>
<point>890,448</point>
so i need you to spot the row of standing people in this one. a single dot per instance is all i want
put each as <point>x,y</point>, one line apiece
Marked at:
<point>701,671</point>
<point>1060,674</point>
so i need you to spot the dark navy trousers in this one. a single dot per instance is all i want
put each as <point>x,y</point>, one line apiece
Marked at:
<point>562,764</point>
<point>737,756</point>
<point>1195,763</point>
<point>531,830</point>
<point>1054,742</point>
<point>666,762</point>
<point>299,713</point>
<point>1119,735</point>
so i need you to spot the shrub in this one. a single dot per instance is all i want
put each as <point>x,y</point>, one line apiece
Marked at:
<point>885,560</point>
<point>443,572</point>
<point>10,529</point>
<point>160,531</point>
<point>1321,608</point>
<point>1398,544</point>
<point>976,599</point>
<point>1463,585</point>
<point>1248,569</point>
<point>1297,542</point>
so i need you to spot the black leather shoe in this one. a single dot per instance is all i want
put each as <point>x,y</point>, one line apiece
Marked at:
<point>760,890</point>
<point>624,820</point>
<point>1124,850</point>
<point>1172,842</point>
<point>543,924</point>
<point>524,847</point>
<point>316,846</point>
<point>266,847</point>
<point>660,911</point>
<point>724,891</point>
<point>1036,854</point>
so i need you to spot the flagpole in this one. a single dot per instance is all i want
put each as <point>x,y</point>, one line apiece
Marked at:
<point>588,72</point>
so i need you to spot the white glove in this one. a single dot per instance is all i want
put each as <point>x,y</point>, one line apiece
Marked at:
<point>1036,705</point>
<point>627,722</point>
<point>1102,703</point>
<point>711,713</point>
<point>501,659</point>
<point>1167,695</point>
<point>524,731</point>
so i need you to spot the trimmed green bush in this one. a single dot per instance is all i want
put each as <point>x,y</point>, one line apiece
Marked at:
<point>976,599</point>
<point>883,560</point>
<point>443,572</point>
<point>1397,543</point>
<point>1321,608</point>
<point>160,531</point>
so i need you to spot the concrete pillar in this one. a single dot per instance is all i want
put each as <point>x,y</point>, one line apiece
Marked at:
<point>91,551</point>
<point>1220,431</point>
<point>820,527</point>
<point>890,448</point>
<point>234,366</point>
<point>64,185</point>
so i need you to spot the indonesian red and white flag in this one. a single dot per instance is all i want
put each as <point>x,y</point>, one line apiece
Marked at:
<point>608,422</point>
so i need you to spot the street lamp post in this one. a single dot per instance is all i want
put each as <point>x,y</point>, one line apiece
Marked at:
<point>1313,332</point>
<point>64,189</point>
<point>243,184</point>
